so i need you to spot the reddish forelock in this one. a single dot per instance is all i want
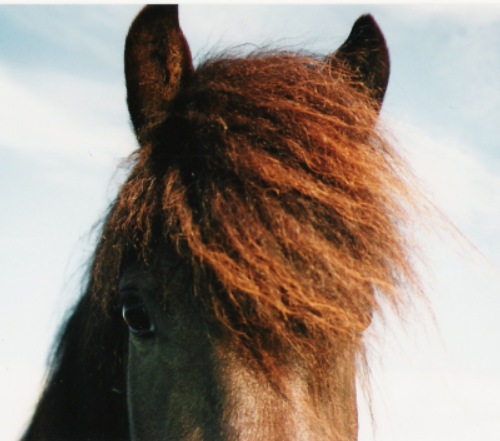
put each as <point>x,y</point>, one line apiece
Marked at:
<point>270,179</point>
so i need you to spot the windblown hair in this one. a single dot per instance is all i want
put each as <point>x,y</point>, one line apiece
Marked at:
<point>271,179</point>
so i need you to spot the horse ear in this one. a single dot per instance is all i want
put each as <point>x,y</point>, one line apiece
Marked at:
<point>365,53</point>
<point>157,63</point>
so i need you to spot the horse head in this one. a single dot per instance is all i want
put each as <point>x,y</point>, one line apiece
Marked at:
<point>245,254</point>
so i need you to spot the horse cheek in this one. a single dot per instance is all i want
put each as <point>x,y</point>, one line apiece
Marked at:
<point>148,393</point>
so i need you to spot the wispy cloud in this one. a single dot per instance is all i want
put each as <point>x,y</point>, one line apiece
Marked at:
<point>458,177</point>
<point>419,15</point>
<point>54,112</point>
<point>419,404</point>
<point>84,31</point>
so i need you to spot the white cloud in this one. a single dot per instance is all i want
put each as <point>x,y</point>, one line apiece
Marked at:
<point>459,179</point>
<point>21,382</point>
<point>52,112</point>
<point>420,14</point>
<point>437,406</point>
<point>76,28</point>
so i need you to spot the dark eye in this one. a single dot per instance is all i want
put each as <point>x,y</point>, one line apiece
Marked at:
<point>136,316</point>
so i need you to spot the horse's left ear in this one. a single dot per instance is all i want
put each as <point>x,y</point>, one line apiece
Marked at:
<point>157,63</point>
<point>365,53</point>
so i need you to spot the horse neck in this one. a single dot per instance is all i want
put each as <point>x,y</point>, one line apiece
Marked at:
<point>307,405</point>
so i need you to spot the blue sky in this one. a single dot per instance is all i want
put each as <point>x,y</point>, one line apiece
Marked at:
<point>64,129</point>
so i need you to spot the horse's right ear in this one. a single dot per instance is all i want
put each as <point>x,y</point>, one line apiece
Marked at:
<point>157,63</point>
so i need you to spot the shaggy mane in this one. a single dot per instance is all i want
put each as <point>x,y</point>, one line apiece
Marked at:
<point>270,178</point>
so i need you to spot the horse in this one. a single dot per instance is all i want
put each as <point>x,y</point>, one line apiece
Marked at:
<point>261,227</point>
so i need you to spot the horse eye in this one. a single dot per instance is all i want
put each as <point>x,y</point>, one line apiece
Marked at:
<point>136,316</point>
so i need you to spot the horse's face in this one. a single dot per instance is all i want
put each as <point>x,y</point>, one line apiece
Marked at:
<point>186,378</point>
<point>184,383</point>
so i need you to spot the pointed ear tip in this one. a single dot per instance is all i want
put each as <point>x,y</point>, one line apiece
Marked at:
<point>367,21</point>
<point>367,18</point>
<point>155,12</point>
<point>159,7</point>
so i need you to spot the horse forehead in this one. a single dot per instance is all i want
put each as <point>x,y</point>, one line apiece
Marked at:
<point>167,273</point>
